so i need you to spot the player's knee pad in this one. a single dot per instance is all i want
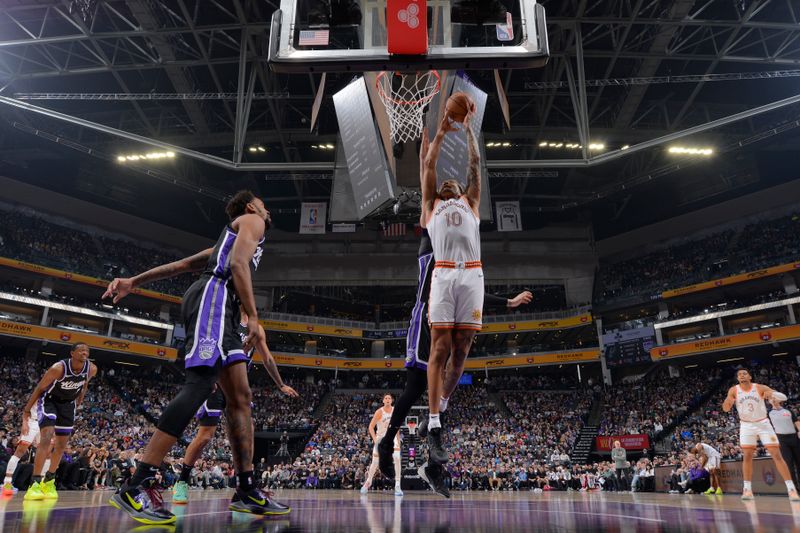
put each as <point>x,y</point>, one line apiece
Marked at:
<point>197,388</point>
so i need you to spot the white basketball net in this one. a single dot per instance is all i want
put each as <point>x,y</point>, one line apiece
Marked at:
<point>405,97</point>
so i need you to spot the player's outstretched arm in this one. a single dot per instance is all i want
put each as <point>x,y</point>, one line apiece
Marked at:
<point>473,191</point>
<point>730,400</point>
<point>272,368</point>
<point>769,394</point>
<point>119,288</point>
<point>53,373</point>
<point>492,300</point>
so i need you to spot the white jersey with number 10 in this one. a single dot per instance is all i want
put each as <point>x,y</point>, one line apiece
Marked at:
<point>455,231</point>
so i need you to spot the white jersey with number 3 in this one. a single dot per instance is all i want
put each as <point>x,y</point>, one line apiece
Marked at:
<point>750,405</point>
<point>455,231</point>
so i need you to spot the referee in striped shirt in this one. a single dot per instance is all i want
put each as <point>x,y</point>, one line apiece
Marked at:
<point>786,430</point>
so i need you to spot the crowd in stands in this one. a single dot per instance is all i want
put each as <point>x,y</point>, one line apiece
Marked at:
<point>33,239</point>
<point>519,438</point>
<point>648,405</point>
<point>752,247</point>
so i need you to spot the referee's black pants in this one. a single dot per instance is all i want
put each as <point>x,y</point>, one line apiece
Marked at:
<point>790,450</point>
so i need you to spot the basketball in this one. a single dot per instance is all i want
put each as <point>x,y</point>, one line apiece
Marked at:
<point>458,105</point>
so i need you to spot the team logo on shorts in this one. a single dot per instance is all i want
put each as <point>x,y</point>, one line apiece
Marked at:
<point>476,314</point>
<point>207,347</point>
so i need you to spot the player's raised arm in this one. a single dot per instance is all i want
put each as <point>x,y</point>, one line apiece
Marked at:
<point>119,288</point>
<point>473,191</point>
<point>428,176</point>
<point>768,393</point>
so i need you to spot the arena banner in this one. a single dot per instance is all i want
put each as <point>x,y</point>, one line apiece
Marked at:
<point>535,325</point>
<point>62,336</point>
<point>575,356</point>
<point>80,278</point>
<point>766,479</point>
<point>751,338</point>
<point>365,363</point>
<point>739,278</point>
<point>313,329</point>
<point>629,442</point>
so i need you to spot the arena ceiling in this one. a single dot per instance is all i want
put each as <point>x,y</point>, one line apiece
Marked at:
<point>622,72</point>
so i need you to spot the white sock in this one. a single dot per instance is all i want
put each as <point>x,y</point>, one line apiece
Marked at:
<point>748,485</point>
<point>443,404</point>
<point>12,465</point>
<point>789,485</point>
<point>433,421</point>
<point>46,468</point>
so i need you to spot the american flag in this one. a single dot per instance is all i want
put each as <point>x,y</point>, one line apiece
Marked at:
<point>397,229</point>
<point>314,38</point>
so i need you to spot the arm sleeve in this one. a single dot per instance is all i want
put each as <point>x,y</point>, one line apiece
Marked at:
<point>490,300</point>
<point>779,396</point>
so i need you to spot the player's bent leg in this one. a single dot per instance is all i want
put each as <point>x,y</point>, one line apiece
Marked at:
<point>441,346</point>
<point>140,497</point>
<point>194,451</point>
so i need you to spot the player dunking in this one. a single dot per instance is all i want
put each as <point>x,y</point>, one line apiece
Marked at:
<point>710,460</point>
<point>377,429</point>
<point>418,349</point>
<point>214,355</point>
<point>748,397</point>
<point>53,401</point>
<point>209,414</point>
<point>456,301</point>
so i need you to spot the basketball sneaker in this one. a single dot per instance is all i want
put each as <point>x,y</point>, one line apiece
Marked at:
<point>180,493</point>
<point>364,489</point>
<point>793,496</point>
<point>436,451</point>
<point>144,504</point>
<point>709,491</point>
<point>397,490</point>
<point>34,492</point>
<point>385,462</point>
<point>257,502</point>
<point>719,491</point>
<point>9,489</point>
<point>432,475</point>
<point>747,494</point>
<point>49,490</point>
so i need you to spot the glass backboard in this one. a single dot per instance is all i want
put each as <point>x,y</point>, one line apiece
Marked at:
<point>353,35</point>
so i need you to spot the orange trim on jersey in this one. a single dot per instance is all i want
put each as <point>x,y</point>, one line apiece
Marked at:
<point>748,447</point>
<point>452,264</point>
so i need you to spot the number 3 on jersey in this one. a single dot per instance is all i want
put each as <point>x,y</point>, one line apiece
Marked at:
<point>453,219</point>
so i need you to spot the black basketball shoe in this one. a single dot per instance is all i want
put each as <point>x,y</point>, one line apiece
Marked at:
<point>433,475</point>
<point>144,504</point>
<point>385,461</point>
<point>436,452</point>
<point>257,502</point>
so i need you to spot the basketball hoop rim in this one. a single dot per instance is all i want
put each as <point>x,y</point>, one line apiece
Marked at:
<point>394,101</point>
